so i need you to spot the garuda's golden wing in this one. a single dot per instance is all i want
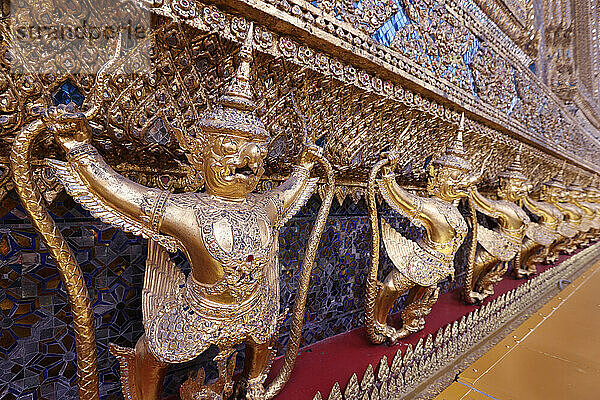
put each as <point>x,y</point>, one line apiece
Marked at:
<point>399,249</point>
<point>497,244</point>
<point>75,187</point>
<point>411,260</point>
<point>163,280</point>
<point>540,234</point>
<point>300,201</point>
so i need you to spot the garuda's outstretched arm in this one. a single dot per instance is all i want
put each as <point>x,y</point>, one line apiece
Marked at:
<point>535,208</point>
<point>292,194</point>
<point>100,189</point>
<point>401,200</point>
<point>485,205</point>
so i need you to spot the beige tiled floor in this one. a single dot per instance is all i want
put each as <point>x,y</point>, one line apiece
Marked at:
<point>554,355</point>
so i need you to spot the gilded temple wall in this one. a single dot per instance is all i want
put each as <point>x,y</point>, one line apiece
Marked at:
<point>37,343</point>
<point>523,71</point>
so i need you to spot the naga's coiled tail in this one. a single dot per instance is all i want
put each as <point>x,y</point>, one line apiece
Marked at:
<point>291,352</point>
<point>372,282</point>
<point>472,251</point>
<point>68,268</point>
<point>66,263</point>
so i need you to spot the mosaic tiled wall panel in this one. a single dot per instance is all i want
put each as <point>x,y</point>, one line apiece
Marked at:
<point>37,352</point>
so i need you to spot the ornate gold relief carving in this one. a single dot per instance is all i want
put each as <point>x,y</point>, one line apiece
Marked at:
<point>419,265</point>
<point>492,249</point>
<point>231,295</point>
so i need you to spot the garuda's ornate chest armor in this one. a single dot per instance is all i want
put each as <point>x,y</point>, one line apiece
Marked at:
<point>420,260</point>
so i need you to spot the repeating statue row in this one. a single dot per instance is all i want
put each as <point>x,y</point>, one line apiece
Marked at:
<point>229,234</point>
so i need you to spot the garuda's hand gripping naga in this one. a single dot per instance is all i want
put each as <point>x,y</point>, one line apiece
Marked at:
<point>494,248</point>
<point>228,233</point>
<point>418,265</point>
<point>514,186</point>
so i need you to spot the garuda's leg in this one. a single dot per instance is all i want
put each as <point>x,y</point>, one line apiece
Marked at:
<point>256,367</point>
<point>555,249</point>
<point>142,375</point>
<point>493,276</point>
<point>394,285</point>
<point>529,252</point>
<point>483,263</point>
<point>419,302</point>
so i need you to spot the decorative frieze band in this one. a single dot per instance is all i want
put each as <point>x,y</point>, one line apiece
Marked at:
<point>534,114</point>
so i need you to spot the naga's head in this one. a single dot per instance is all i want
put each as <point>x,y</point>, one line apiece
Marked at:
<point>231,141</point>
<point>450,174</point>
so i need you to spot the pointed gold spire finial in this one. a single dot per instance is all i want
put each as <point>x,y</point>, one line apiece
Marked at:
<point>239,93</point>
<point>457,147</point>
<point>594,185</point>
<point>455,155</point>
<point>235,114</point>
<point>515,169</point>
<point>560,176</point>
<point>405,131</point>
<point>576,184</point>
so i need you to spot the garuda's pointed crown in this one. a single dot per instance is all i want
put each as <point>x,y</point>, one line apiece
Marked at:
<point>235,114</point>
<point>455,155</point>
<point>557,181</point>
<point>515,170</point>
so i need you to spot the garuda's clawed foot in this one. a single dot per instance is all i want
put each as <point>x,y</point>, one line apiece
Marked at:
<point>250,389</point>
<point>403,332</point>
<point>474,297</point>
<point>524,273</point>
<point>388,334</point>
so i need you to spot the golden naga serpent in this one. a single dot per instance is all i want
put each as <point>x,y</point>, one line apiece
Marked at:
<point>68,268</point>
<point>472,250</point>
<point>372,282</point>
<point>72,276</point>
<point>295,337</point>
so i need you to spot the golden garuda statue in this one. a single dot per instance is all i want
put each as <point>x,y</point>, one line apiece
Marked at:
<point>554,192</point>
<point>488,259</point>
<point>578,197</point>
<point>564,198</point>
<point>421,264</point>
<point>514,186</point>
<point>592,194</point>
<point>228,233</point>
<point>552,220</point>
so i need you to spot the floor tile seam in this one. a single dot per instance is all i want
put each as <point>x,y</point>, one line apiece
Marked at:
<point>596,269</point>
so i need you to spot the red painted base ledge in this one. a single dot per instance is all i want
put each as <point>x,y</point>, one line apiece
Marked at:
<point>335,359</point>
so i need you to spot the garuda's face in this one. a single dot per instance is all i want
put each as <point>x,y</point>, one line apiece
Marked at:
<point>232,166</point>
<point>447,183</point>
<point>513,189</point>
